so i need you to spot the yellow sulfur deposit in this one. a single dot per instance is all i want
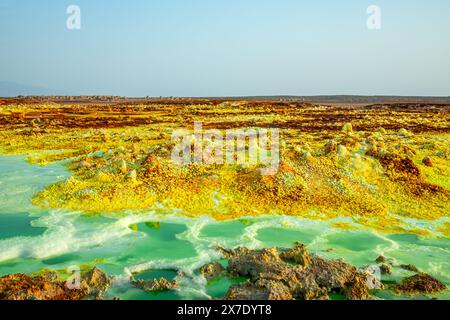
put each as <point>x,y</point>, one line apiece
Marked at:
<point>367,164</point>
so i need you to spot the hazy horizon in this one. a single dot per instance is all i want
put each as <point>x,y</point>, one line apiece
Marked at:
<point>201,48</point>
<point>11,90</point>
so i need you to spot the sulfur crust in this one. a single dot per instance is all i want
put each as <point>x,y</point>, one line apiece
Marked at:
<point>346,173</point>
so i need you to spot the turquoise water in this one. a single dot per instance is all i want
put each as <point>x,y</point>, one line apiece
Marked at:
<point>150,245</point>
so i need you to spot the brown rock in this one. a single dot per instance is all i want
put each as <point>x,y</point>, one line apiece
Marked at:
<point>357,289</point>
<point>420,283</point>
<point>427,161</point>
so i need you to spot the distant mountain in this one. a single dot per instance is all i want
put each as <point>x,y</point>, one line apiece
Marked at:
<point>345,99</point>
<point>12,89</point>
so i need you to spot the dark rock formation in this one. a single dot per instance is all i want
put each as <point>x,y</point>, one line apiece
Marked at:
<point>427,161</point>
<point>292,274</point>
<point>420,283</point>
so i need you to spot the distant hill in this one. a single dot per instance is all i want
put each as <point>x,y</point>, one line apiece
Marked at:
<point>12,89</point>
<point>344,99</point>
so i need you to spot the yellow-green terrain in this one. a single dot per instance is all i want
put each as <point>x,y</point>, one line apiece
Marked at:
<point>377,164</point>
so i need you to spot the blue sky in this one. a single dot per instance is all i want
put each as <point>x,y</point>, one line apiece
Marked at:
<point>227,47</point>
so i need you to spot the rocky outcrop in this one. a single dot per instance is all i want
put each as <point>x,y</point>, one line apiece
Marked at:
<point>292,274</point>
<point>47,287</point>
<point>44,287</point>
<point>96,282</point>
<point>153,285</point>
<point>420,283</point>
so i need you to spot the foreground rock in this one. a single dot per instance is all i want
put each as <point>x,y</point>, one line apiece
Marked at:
<point>420,283</point>
<point>292,274</point>
<point>385,268</point>
<point>95,282</point>
<point>286,274</point>
<point>261,290</point>
<point>47,287</point>
<point>153,285</point>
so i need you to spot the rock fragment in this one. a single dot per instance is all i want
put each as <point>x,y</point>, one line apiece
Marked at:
<point>427,161</point>
<point>212,270</point>
<point>409,267</point>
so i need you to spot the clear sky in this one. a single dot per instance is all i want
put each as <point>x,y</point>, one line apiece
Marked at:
<point>228,47</point>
